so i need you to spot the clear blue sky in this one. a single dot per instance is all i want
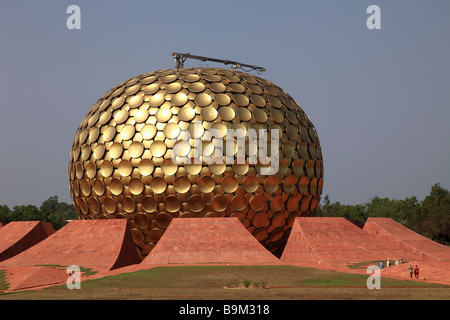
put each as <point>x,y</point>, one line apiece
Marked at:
<point>379,99</point>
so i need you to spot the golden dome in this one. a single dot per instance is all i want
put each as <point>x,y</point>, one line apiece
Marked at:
<point>132,156</point>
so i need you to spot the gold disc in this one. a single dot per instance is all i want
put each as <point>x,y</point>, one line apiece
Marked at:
<point>127,132</point>
<point>196,87</point>
<point>158,149</point>
<point>146,167</point>
<point>206,184</point>
<point>271,184</point>
<point>174,87</point>
<point>203,99</point>
<point>116,150</point>
<point>172,204</point>
<point>168,167</point>
<point>222,99</point>
<point>136,186</point>
<point>125,168</point>
<point>109,134</point>
<point>141,220</point>
<point>110,205</point>
<point>99,187</point>
<point>171,130</point>
<point>219,203</point>
<point>106,168</point>
<point>239,202</point>
<point>148,131</point>
<point>116,186</point>
<point>229,184</point>
<point>136,101</point>
<point>136,149</point>
<point>186,113</point>
<point>163,114</point>
<point>196,203</point>
<point>250,184</point>
<point>128,204</point>
<point>91,169</point>
<point>209,113</point>
<point>149,204</point>
<point>158,185</point>
<point>181,184</point>
<point>179,99</point>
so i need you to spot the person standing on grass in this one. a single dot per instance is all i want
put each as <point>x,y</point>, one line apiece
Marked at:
<point>410,270</point>
<point>388,263</point>
<point>397,262</point>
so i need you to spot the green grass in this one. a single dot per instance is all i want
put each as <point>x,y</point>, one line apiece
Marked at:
<point>211,282</point>
<point>84,271</point>
<point>3,283</point>
<point>364,265</point>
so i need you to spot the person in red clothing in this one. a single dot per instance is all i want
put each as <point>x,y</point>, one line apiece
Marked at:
<point>416,271</point>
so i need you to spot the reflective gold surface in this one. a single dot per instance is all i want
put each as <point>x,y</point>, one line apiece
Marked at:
<point>121,166</point>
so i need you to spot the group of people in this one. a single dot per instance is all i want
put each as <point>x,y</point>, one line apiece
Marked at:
<point>412,270</point>
<point>388,263</point>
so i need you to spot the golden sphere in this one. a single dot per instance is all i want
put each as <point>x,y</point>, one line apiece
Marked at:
<point>132,156</point>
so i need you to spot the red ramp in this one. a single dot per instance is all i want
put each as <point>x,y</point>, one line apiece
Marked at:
<point>208,241</point>
<point>99,244</point>
<point>399,236</point>
<point>20,278</point>
<point>335,240</point>
<point>18,236</point>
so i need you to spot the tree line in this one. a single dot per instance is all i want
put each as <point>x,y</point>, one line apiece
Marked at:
<point>51,210</point>
<point>429,217</point>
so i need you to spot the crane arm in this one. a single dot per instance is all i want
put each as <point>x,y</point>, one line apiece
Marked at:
<point>181,57</point>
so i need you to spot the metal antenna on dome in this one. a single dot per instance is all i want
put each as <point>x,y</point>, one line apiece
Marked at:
<point>181,57</point>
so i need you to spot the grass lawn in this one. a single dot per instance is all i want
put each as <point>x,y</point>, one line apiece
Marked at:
<point>3,282</point>
<point>237,283</point>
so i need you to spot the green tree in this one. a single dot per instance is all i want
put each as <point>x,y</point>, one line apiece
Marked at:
<point>51,210</point>
<point>329,209</point>
<point>4,214</point>
<point>336,209</point>
<point>397,210</point>
<point>57,212</point>
<point>25,213</point>
<point>432,217</point>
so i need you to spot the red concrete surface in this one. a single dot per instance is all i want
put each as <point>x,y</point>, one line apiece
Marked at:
<point>99,244</point>
<point>20,278</point>
<point>335,244</point>
<point>390,231</point>
<point>336,241</point>
<point>326,243</point>
<point>430,271</point>
<point>48,227</point>
<point>208,241</point>
<point>18,236</point>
